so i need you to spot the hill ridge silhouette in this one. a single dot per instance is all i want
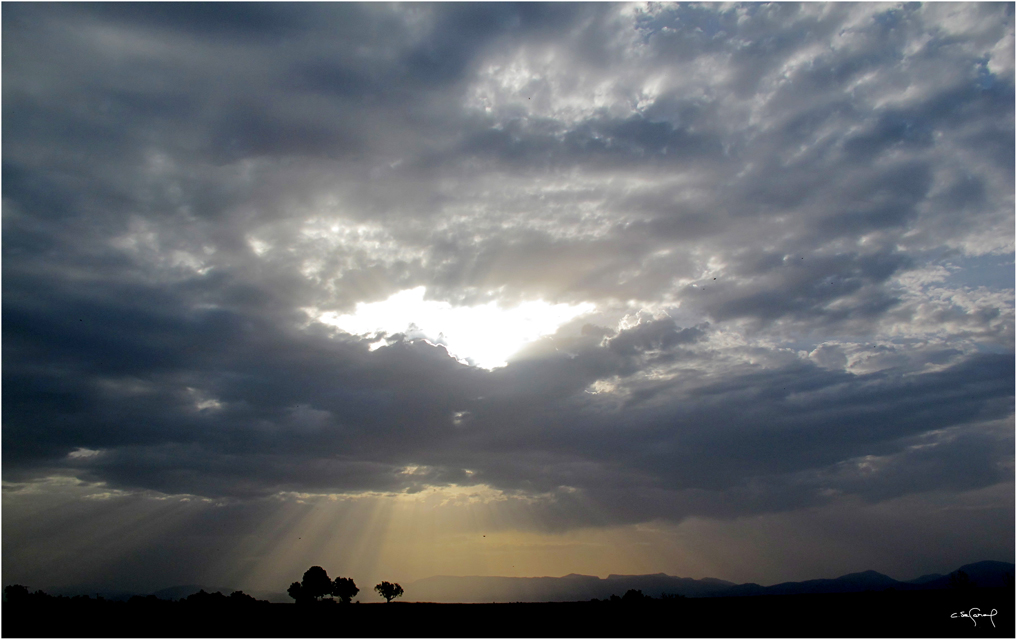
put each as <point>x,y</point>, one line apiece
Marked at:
<point>578,587</point>
<point>466,589</point>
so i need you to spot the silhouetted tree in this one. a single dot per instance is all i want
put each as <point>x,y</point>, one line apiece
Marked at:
<point>20,593</point>
<point>150,601</point>
<point>239,598</point>
<point>344,589</point>
<point>297,592</point>
<point>205,599</point>
<point>960,580</point>
<point>388,590</point>
<point>16,593</point>
<point>315,585</point>
<point>635,595</point>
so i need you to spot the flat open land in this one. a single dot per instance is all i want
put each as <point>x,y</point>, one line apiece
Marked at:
<point>870,614</point>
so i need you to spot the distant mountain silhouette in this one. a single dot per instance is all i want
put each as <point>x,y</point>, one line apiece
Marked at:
<point>852,582</point>
<point>90,591</point>
<point>182,591</point>
<point>929,577</point>
<point>169,593</point>
<point>983,574</point>
<point>575,587</point>
<point>465,589</point>
<point>660,583</point>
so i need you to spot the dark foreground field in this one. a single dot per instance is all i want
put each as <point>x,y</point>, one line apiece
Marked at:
<point>870,614</point>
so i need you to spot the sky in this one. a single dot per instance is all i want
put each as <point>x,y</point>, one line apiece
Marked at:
<point>494,289</point>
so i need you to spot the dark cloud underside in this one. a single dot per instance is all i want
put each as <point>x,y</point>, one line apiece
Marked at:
<point>794,225</point>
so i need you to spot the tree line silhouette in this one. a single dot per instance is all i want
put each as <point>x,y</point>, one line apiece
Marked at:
<point>317,596</point>
<point>17,594</point>
<point>316,586</point>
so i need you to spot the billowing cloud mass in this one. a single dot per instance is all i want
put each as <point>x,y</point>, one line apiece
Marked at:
<point>667,266</point>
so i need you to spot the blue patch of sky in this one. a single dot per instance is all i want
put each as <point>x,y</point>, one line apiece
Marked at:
<point>991,271</point>
<point>706,20</point>
<point>986,80</point>
<point>992,348</point>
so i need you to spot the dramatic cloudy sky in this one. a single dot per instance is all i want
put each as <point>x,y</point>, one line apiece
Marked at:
<point>405,290</point>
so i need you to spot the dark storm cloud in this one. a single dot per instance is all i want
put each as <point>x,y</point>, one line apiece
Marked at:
<point>735,188</point>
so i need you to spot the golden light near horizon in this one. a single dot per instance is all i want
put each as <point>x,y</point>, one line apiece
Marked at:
<point>484,335</point>
<point>470,530</point>
<point>376,536</point>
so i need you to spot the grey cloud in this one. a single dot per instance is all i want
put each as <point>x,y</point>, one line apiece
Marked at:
<point>212,21</point>
<point>658,334</point>
<point>598,144</point>
<point>796,285</point>
<point>768,176</point>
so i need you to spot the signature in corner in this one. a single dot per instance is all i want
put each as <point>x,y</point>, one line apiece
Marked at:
<point>974,613</point>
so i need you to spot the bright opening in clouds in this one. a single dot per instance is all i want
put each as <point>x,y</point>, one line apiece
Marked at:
<point>484,335</point>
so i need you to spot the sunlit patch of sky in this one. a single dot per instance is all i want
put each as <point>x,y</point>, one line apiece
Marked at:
<point>484,335</point>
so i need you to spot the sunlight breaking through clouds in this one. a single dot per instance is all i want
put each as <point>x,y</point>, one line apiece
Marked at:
<point>484,335</point>
<point>492,274</point>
